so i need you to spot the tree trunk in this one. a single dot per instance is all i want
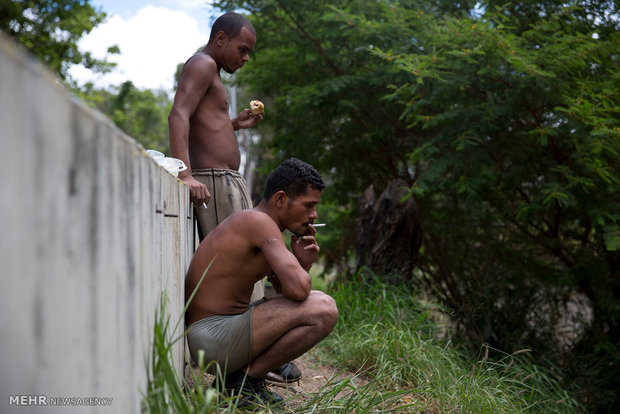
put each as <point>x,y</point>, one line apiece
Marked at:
<point>389,233</point>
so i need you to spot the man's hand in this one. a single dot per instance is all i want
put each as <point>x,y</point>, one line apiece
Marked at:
<point>246,119</point>
<point>305,248</point>
<point>198,192</point>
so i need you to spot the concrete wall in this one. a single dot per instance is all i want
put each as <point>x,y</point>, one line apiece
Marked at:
<point>91,232</point>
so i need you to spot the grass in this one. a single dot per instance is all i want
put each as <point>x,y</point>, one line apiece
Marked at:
<point>391,332</point>
<point>390,335</point>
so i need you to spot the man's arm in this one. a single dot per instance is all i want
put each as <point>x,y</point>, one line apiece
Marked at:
<point>305,248</point>
<point>198,74</point>
<point>294,280</point>
<point>245,119</point>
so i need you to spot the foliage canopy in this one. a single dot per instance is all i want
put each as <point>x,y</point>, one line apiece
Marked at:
<point>142,114</point>
<point>503,119</point>
<point>51,29</point>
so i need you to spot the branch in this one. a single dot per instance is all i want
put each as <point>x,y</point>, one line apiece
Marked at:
<point>315,42</point>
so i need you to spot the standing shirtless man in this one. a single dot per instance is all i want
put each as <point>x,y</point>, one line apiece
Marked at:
<point>201,132</point>
<point>253,339</point>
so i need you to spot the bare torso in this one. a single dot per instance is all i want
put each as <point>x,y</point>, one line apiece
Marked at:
<point>227,285</point>
<point>248,246</point>
<point>212,141</point>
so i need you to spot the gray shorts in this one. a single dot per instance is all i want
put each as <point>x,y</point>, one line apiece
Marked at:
<point>225,339</point>
<point>229,194</point>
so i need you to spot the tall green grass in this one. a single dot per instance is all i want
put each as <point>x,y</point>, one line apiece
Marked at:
<point>389,331</point>
<point>166,392</point>
<point>390,335</point>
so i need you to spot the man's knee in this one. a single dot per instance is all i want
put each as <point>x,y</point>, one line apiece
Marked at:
<point>326,310</point>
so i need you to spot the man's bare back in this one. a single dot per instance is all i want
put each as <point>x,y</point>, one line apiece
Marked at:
<point>227,286</point>
<point>247,247</point>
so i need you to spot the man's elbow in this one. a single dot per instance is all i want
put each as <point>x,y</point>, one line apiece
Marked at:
<point>174,114</point>
<point>178,115</point>
<point>300,292</point>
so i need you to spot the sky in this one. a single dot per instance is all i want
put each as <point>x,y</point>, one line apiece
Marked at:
<point>154,36</point>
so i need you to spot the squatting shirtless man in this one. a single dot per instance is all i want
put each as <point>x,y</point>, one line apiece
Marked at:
<point>247,246</point>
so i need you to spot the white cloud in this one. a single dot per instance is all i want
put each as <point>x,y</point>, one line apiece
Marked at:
<point>187,4</point>
<point>152,43</point>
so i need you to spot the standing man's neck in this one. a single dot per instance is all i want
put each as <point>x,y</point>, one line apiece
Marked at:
<point>209,50</point>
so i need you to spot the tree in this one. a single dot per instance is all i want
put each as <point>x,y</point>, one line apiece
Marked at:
<point>51,30</point>
<point>324,91</point>
<point>326,102</point>
<point>142,114</point>
<point>519,179</point>
<point>503,121</point>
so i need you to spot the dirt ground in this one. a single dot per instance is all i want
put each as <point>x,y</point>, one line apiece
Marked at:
<point>314,377</point>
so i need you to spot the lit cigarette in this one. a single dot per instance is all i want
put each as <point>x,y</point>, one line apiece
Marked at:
<point>319,225</point>
<point>204,205</point>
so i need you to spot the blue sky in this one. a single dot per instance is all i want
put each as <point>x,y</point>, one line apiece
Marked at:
<point>154,36</point>
<point>126,9</point>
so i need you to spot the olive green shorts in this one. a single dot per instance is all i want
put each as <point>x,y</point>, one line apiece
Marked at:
<point>225,339</point>
<point>229,194</point>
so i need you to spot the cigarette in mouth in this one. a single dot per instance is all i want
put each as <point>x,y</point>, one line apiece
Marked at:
<point>319,225</point>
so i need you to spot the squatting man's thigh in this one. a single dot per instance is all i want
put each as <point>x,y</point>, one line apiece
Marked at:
<point>279,315</point>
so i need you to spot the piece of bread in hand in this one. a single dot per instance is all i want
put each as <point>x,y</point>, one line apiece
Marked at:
<point>257,107</point>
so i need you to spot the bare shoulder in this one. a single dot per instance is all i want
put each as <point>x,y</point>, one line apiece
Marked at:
<point>254,219</point>
<point>255,225</point>
<point>199,67</point>
<point>201,60</point>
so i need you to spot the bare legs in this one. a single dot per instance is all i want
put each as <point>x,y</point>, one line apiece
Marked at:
<point>284,329</point>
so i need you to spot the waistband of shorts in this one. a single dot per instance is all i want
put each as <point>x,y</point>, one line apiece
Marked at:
<point>251,307</point>
<point>221,317</point>
<point>212,317</point>
<point>216,172</point>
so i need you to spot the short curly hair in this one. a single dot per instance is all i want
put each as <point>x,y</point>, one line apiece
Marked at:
<point>293,177</point>
<point>231,24</point>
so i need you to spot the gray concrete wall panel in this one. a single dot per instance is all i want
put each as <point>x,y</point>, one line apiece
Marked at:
<point>92,232</point>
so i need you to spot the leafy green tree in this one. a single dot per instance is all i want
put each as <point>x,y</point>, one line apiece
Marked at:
<point>51,30</point>
<point>323,92</point>
<point>325,98</point>
<point>519,180</point>
<point>504,121</point>
<point>142,114</point>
